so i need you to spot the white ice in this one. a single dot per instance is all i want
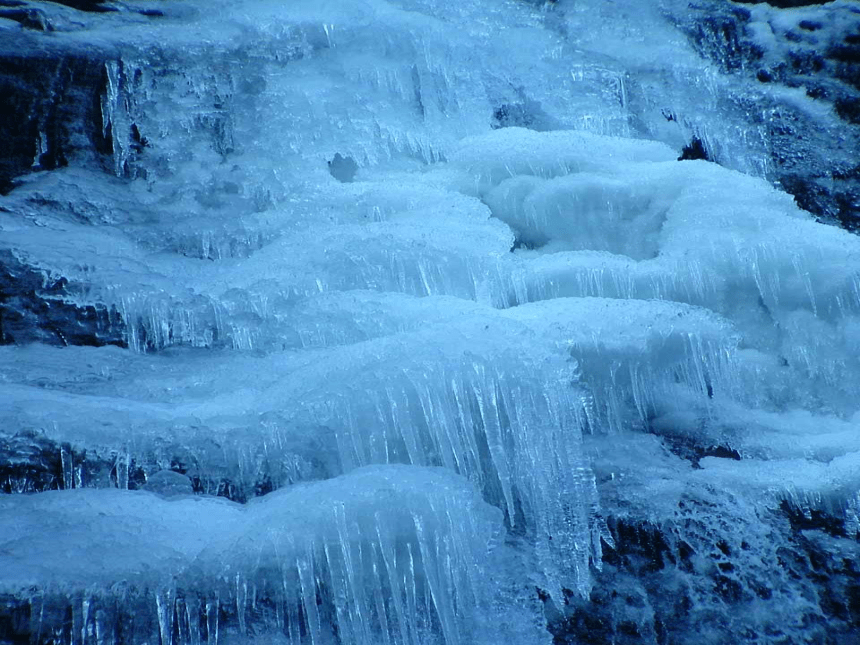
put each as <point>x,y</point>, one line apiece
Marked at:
<point>445,360</point>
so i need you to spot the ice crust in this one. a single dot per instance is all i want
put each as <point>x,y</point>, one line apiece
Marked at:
<point>393,554</point>
<point>426,378</point>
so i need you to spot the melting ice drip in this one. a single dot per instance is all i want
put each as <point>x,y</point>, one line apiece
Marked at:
<point>421,398</point>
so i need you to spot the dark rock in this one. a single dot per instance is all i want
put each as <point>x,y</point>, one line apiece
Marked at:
<point>695,150</point>
<point>30,462</point>
<point>833,197</point>
<point>138,141</point>
<point>845,54</point>
<point>813,519</point>
<point>693,451</point>
<point>14,621</point>
<point>721,452</point>
<point>523,113</point>
<point>343,168</point>
<point>226,488</point>
<point>34,308</point>
<point>804,158</point>
<point>806,63</point>
<point>720,37</point>
<point>809,25</point>
<point>96,6</point>
<point>729,589</point>
<point>716,587</point>
<point>510,115</point>
<point>848,108</point>
<point>785,4</point>
<point>50,112</point>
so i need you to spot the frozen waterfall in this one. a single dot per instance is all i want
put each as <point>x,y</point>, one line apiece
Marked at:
<point>401,322</point>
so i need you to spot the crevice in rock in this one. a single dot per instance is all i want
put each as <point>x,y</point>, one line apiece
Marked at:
<point>35,308</point>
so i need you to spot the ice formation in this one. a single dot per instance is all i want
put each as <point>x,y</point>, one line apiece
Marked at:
<point>423,289</point>
<point>390,554</point>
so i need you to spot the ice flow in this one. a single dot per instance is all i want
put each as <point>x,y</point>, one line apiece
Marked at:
<point>383,284</point>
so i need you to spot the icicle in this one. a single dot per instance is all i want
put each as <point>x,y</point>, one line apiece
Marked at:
<point>165,601</point>
<point>212,611</point>
<point>307,578</point>
<point>121,464</point>
<point>67,464</point>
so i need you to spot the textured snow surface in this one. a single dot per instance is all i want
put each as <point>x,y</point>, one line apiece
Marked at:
<point>422,289</point>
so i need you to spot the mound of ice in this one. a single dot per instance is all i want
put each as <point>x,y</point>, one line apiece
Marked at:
<point>395,554</point>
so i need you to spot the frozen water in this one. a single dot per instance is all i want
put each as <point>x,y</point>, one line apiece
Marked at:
<point>480,398</point>
<point>396,555</point>
<point>424,291</point>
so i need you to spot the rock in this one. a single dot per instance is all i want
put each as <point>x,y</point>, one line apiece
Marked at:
<point>343,168</point>
<point>33,309</point>
<point>695,150</point>
<point>813,162</point>
<point>785,4</point>
<point>51,107</point>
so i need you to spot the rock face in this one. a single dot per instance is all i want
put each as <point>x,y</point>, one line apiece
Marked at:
<point>52,108</point>
<point>33,308</point>
<point>56,87</point>
<point>811,49</point>
<point>785,4</point>
<point>52,101</point>
<point>661,582</point>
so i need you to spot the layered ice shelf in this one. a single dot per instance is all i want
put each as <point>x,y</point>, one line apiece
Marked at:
<point>395,554</point>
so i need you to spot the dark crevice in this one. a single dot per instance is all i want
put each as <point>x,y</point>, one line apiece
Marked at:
<point>695,150</point>
<point>50,113</point>
<point>35,308</point>
<point>92,6</point>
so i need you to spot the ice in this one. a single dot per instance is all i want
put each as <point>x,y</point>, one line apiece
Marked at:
<point>483,404</point>
<point>805,485</point>
<point>169,484</point>
<point>392,220</point>
<point>109,537</point>
<point>633,353</point>
<point>425,292</point>
<point>696,233</point>
<point>506,153</point>
<point>604,275</point>
<point>611,215</point>
<point>395,554</point>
